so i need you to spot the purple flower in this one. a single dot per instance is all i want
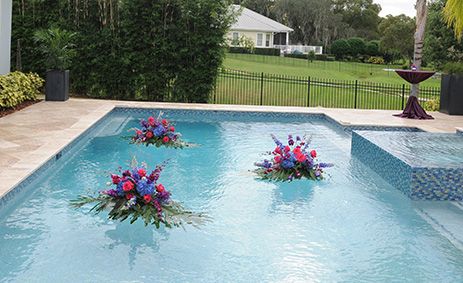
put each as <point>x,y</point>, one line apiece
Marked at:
<point>159,131</point>
<point>163,196</point>
<point>112,193</point>
<point>287,164</point>
<point>145,188</point>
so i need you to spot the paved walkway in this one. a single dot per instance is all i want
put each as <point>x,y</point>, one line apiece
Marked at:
<point>28,138</point>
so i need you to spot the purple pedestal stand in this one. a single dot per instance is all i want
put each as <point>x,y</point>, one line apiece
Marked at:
<point>413,109</point>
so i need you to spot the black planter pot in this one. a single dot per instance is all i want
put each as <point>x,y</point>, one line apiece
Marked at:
<point>57,85</point>
<point>451,94</point>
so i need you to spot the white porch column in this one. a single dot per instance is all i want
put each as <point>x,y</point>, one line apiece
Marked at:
<point>287,38</point>
<point>5,35</point>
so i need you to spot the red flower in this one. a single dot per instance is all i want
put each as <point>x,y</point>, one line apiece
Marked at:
<point>151,120</point>
<point>138,132</point>
<point>313,153</point>
<point>277,149</point>
<point>142,172</point>
<point>148,198</point>
<point>277,159</point>
<point>165,139</point>
<point>128,196</point>
<point>160,188</point>
<point>128,186</point>
<point>172,129</point>
<point>116,179</point>
<point>149,134</point>
<point>297,150</point>
<point>301,157</point>
<point>287,148</point>
<point>164,122</point>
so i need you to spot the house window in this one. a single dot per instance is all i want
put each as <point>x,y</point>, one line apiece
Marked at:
<point>260,38</point>
<point>235,38</point>
<point>267,40</point>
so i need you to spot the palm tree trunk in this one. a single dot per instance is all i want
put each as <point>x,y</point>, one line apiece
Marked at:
<point>421,13</point>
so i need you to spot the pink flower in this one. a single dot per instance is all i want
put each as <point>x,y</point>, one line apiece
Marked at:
<point>297,150</point>
<point>148,198</point>
<point>287,148</point>
<point>138,132</point>
<point>172,129</point>
<point>149,134</point>
<point>164,122</point>
<point>165,139</point>
<point>277,158</point>
<point>160,188</point>
<point>142,172</point>
<point>277,149</point>
<point>151,121</point>
<point>301,157</point>
<point>313,153</point>
<point>128,186</point>
<point>116,179</point>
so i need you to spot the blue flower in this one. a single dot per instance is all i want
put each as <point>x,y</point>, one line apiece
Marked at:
<point>120,192</point>
<point>145,188</point>
<point>159,131</point>
<point>287,164</point>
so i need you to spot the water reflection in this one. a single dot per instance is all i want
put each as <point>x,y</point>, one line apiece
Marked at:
<point>290,197</point>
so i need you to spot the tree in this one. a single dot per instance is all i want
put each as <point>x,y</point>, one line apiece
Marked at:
<point>360,15</point>
<point>356,46</point>
<point>372,48</point>
<point>397,35</point>
<point>340,48</point>
<point>440,45</point>
<point>453,13</point>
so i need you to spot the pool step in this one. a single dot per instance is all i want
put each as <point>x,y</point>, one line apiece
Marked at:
<point>446,218</point>
<point>114,127</point>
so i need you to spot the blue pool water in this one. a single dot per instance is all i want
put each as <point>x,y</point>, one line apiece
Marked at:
<point>352,227</point>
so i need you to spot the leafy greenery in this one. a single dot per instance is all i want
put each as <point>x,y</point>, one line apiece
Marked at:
<point>340,48</point>
<point>17,87</point>
<point>174,215</point>
<point>453,12</point>
<point>56,44</point>
<point>356,46</point>
<point>453,68</point>
<point>432,104</point>
<point>397,35</point>
<point>130,49</point>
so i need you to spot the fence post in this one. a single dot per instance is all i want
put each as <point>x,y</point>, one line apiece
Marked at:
<point>403,95</point>
<point>308,92</point>
<point>355,94</point>
<point>261,88</point>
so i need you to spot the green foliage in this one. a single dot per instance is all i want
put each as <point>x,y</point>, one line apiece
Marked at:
<point>356,46</point>
<point>132,49</point>
<point>311,55</point>
<point>397,35</point>
<point>376,60</point>
<point>432,104</point>
<point>440,44</point>
<point>453,68</point>
<point>173,213</point>
<point>246,43</point>
<point>267,51</point>
<point>372,48</point>
<point>56,44</point>
<point>17,87</point>
<point>340,48</point>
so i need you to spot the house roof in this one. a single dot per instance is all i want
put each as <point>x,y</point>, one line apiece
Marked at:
<point>250,20</point>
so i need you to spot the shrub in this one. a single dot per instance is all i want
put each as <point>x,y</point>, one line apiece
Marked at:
<point>453,68</point>
<point>330,58</point>
<point>376,60</point>
<point>17,87</point>
<point>340,48</point>
<point>296,55</point>
<point>56,44</point>
<point>321,57</point>
<point>267,51</point>
<point>372,48</point>
<point>242,50</point>
<point>432,105</point>
<point>356,46</point>
<point>311,55</point>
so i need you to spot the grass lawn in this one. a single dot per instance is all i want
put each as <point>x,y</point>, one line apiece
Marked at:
<point>318,69</point>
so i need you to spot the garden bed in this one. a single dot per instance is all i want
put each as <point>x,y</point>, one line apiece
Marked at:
<point>7,111</point>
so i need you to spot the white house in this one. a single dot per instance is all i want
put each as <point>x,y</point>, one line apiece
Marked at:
<point>5,35</point>
<point>263,31</point>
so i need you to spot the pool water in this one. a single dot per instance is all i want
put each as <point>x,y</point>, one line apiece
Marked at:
<point>421,149</point>
<point>351,227</point>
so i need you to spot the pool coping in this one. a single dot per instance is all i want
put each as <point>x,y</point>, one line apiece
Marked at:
<point>27,169</point>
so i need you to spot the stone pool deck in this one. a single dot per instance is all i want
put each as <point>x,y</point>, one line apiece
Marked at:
<point>30,137</point>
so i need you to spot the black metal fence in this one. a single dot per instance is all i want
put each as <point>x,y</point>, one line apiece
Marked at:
<point>240,87</point>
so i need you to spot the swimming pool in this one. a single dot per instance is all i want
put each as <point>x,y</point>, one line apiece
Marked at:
<point>353,226</point>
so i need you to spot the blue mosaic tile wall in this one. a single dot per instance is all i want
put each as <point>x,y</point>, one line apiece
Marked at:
<point>389,167</point>
<point>427,183</point>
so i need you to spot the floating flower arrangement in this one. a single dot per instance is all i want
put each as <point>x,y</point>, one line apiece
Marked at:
<point>292,161</point>
<point>137,194</point>
<point>158,132</point>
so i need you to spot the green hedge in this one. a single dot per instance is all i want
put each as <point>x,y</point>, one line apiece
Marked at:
<point>258,51</point>
<point>296,55</point>
<point>18,87</point>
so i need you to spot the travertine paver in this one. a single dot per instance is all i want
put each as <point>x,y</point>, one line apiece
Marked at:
<point>28,138</point>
